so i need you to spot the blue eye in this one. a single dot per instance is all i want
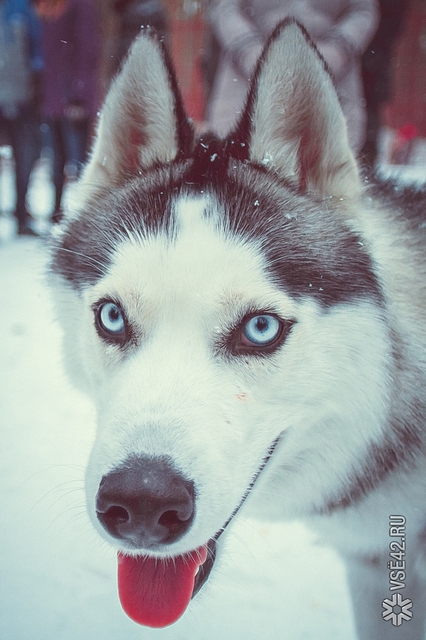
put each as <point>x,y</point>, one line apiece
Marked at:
<point>111,319</point>
<point>261,330</point>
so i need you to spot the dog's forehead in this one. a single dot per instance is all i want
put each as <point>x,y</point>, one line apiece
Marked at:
<point>201,262</point>
<point>216,231</point>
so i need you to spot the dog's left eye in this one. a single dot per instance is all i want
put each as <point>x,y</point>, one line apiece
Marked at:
<point>259,334</point>
<point>110,319</point>
<point>261,331</point>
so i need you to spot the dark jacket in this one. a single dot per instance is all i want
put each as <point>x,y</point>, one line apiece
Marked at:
<point>20,53</point>
<point>71,47</point>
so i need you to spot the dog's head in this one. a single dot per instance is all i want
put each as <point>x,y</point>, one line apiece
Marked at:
<point>210,289</point>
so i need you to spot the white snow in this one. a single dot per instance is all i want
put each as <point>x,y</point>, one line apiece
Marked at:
<point>57,578</point>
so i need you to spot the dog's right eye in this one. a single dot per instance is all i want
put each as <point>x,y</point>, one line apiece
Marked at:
<point>258,334</point>
<point>110,321</point>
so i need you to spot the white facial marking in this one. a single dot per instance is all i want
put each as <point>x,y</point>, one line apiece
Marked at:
<point>189,213</point>
<point>175,393</point>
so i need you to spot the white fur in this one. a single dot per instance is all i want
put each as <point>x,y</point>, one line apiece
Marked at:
<point>329,393</point>
<point>175,395</point>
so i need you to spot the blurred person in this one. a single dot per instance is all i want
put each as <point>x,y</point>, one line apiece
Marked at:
<point>133,15</point>
<point>20,66</point>
<point>71,48</point>
<point>376,71</point>
<point>341,30</point>
<point>406,112</point>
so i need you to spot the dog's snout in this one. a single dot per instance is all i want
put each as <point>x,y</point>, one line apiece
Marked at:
<point>146,502</point>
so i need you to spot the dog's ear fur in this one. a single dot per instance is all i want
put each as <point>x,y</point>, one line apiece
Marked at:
<point>142,122</point>
<point>293,122</point>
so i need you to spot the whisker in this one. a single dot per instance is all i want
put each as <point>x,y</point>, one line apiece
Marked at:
<point>57,489</point>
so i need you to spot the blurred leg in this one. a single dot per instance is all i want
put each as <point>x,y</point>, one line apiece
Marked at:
<point>58,148</point>
<point>76,141</point>
<point>26,150</point>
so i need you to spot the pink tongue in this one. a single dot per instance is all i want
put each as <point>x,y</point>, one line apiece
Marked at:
<point>156,592</point>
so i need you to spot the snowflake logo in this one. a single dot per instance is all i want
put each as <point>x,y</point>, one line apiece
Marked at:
<point>397,609</point>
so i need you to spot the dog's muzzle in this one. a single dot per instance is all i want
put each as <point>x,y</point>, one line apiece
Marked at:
<point>147,504</point>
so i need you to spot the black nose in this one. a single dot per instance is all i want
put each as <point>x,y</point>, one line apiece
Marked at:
<point>146,501</point>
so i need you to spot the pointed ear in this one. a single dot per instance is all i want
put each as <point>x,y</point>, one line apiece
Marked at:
<point>142,121</point>
<point>293,120</point>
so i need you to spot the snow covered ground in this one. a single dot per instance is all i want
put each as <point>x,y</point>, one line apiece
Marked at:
<point>57,578</point>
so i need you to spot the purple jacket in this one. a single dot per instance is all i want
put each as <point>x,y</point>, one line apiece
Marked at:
<point>71,47</point>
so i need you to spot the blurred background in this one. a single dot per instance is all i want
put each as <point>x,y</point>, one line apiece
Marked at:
<point>57,58</point>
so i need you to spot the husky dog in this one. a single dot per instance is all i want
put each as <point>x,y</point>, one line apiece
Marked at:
<point>249,318</point>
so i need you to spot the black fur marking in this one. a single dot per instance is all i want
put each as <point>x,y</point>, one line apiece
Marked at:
<point>307,250</point>
<point>142,206</point>
<point>212,159</point>
<point>407,200</point>
<point>399,448</point>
